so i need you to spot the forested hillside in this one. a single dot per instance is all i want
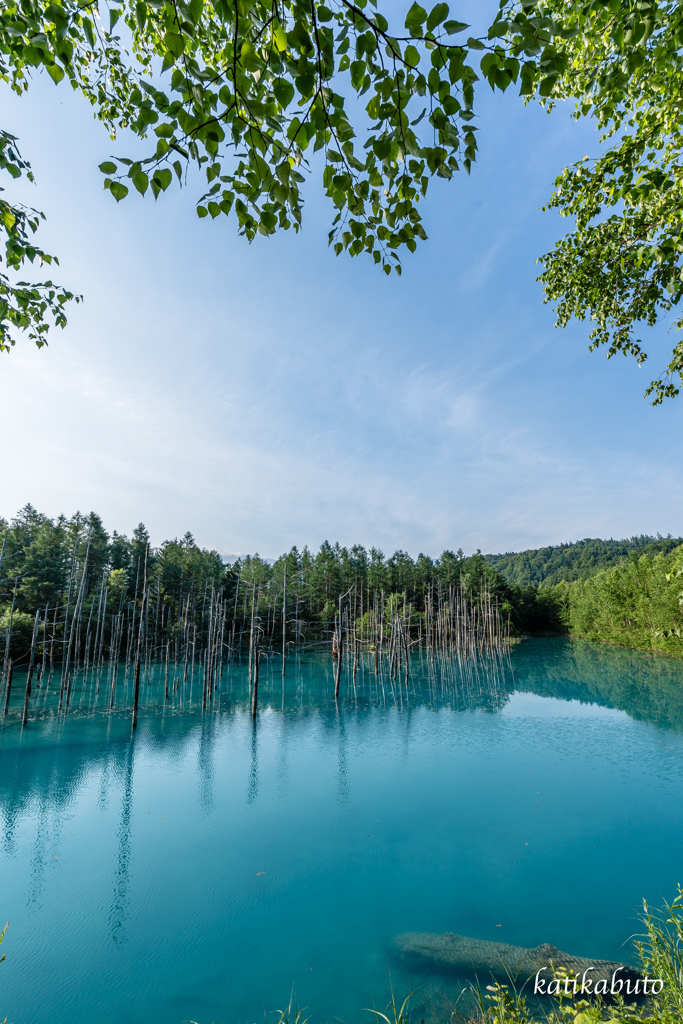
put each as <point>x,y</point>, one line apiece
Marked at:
<point>577,561</point>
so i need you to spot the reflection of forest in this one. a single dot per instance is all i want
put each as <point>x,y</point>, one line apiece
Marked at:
<point>47,765</point>
<point>648,687</point>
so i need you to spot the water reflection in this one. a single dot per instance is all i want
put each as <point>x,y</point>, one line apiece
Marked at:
<point>342,766</point>
<point>205,764</point>
<point>293,846</point>
<point>252,791</point>
<point>433,681</point>
<point>119,905</point>
<point>648,687</point>
<point>39,775</point>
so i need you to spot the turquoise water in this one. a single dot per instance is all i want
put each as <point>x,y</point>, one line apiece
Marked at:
<point>207,866</point>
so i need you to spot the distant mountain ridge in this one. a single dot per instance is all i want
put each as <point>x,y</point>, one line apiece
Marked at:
<point>575,561</point>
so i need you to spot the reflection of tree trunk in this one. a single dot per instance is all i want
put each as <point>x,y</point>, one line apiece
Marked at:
<point>205,765</point>
<point>119,903</point>
<point>252,791</point>
<point>282,761</point>
<point>37,883</point>
<point>342,769</point>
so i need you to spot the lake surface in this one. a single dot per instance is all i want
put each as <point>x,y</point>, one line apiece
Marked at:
<point>204,868</point>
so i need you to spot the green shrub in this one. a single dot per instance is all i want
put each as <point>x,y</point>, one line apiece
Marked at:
<point>638,603</point>
<point>22,634</point>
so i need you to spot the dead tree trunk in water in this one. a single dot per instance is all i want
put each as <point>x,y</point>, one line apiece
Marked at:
<point>254,692</point>
<point>9,686</point>
<point>29,675</point>
<point>339,653</point>
<point>284,620</point>
<point>8,632</point>
<point>136,697</point>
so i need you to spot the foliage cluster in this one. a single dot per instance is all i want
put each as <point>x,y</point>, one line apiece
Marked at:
<point>638,603</point>
<point>621,266</point>
<point>243,91</point>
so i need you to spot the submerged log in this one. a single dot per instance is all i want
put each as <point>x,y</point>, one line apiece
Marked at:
<point>458,954</point>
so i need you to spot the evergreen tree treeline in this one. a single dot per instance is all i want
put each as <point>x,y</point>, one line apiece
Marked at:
<point>70,571</point>
<point>56,566</point>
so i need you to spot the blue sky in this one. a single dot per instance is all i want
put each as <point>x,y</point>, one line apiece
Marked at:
<point>269,395</point>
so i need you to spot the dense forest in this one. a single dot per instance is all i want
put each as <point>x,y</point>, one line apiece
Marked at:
<point>568,562</point>
<point>74,596</point>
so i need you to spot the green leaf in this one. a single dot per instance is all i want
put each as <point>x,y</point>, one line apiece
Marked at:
<point>55,72</point>
<point>196,7</point>
<point>412,56</point>
<point>202,211</point>
<point>108,167</point>
<point>174,44</point>
<point>453,27</point>
<point>268,221</point>
<point>162,178</point>
<point>118,190</point>
<point>357,73</point>
<point>250,57</point>
<point>284,92</point>
<point>280,38</point>
<point>546,86</point>
<point>305,84</point>
<point>416,16</point>
<point>436,16</point>
<point>475,44</point>
<point>89,34</point>
<point>141,182</point>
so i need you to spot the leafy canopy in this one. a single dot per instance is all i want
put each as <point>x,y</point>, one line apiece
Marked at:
<point>622,61</point>
<point>246,90</point>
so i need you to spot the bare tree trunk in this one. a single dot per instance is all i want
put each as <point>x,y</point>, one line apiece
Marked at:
<point>29,675</point>
<point>254,692</point>
<point>136,697</point>
<point>284,621</point>
<point>8,688</point>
